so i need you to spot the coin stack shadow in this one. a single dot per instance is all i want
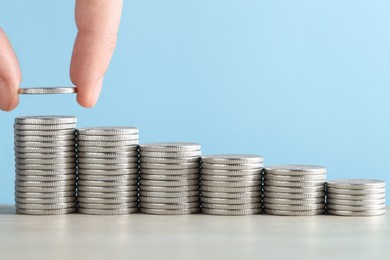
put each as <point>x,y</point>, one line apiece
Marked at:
<point>169,178</point>
<point>45,157</point>
<point>356,197</point>
<point>294,190</point>
<point>231,185</point>
<point>107,170</point>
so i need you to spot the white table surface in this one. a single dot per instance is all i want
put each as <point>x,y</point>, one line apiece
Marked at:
<point>140,236</point>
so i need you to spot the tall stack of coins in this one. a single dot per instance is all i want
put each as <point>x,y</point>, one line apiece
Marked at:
<point>107,170</point>
<point>294,190</point>
<point>45,157</point>
<point>231,184</point>
<point>356,197</point>
<point>169,178</point>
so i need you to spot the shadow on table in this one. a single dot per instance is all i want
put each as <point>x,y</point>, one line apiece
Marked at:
<point>7,210</point>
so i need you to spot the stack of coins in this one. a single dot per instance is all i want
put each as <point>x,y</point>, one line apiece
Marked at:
<point>107,170</point>
<point>231,184</point>
<point>45,182</point>
<point>356,197</point>
<point>294,190</point>
<point>169,178</point>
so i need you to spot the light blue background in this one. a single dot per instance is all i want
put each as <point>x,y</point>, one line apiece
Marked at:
<point>296,81</point>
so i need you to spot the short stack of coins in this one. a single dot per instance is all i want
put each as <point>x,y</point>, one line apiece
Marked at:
<point>45,157</point>
<point>169,178</point>
<point>294,190</point>
<point>231,185</point>
<point>356,197</point>
<point>107,170</point>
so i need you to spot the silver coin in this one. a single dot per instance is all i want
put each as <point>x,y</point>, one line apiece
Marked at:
<point>107,183</point>
<point>44,189</point>
<point>230,172</point>
<point>107,195</point>
<point>292,170</point>
<point>169,200</point>
<point>254,177</point>
<point>71,154</point>
<point>108,138</point>
<point>356,197</point>
<point>170,154</point>
<point>294,201</point>
<point>232,159</point>
<point>46,160</point>
<point>170,147</point>
<point>45,132</point>
<point>356,184</point>
<point>46,172</point>
<point>108,130</point>
<point>47,178</point>
<point>160,177</point>
<point>45,200</point>
<point>170,211</point>
<point>46,91</point>
<point>81,143</point>
<point>121,178</point>
<point>170,160</point>
<point>45,127</point>
<point>44,150</point>
<point>169,172</point>
<point>170,166</point>
<point>305,207</point>
<point>169,183</point>
<point>118,200</point>
<point>84,160</point>
<point>46,212</point>
<point>292,184</point>
<point>356,208</point>
<point>247,166</point>
<point>167,206</point>
<point>45,120</point>
<point>169,189</point>
<point>280,177</point>
<point>63,205</point>
<point>106,149</point>
<point>239,201</point>
<point>42,184</point>
<point>108,206</point>
<point>70,143</point>
<point>96,166</point>
<point>294,213</point>
<point>231,206</point>
<point>294,190</point>
<point>46,195</point>
<point>366,213</point>
<point>284,195</point>
<point>231,195</point>
<point>108,211</point>
<point>168,194</point>
<point>231,184</point>
<point>355,192</point>
<point>45,167</point>
<point>107,189</point>
<point>356,202</point>
<point>44,138</point>
<point>131,171</point>
<point>131,154</point>
<point>228,212</point>
<point>231,189</point>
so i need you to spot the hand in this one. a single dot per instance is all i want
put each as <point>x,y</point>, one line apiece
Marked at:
<point>97,23</point>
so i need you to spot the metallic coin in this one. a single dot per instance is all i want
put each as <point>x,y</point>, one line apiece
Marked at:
<point>232,159</point>
<point>169,200</point>
<point>47,178</point>
<point>108,206</point>
<point>45,167</point>
<point>355,192</point>
<point>96,166</point>
<point>45,200</point>
<point>45,138</point>
<point>108,130</point>
<point>108,211</point>
<point>293,170</point>
<point>107,183</point>
<point>228,212</point>
<point>254,177</point>
<point>46,172</point>
<point>294,190</point>
<point>239,201</point>
<point>106,149</point>
<point>294,213</point>
<point>230,195</point>
<point>45,132</point>
<point>45,189</point>
<point>356,197</point>
<point>231,184</point>
<point>63,205</point>
<point>108,138</point>
<point>160,177</point>
<point>356,184</point>
<point>170,154</point>
<point>84,160</point>
<point>131,154</point>
<point>168,194</point>
<point>356,202</point>
<point>366,213</point>
<point>167,206</point>
<point>231,189</point>
<point>46,91</point>
<point>108,195</point>
<point>46,195</point>
<point>294,201</point>
<point>46,160</point>
<point>170,147</point>
<point>231,206</point>
<point>230,172</point>
<point>170,166</point>
<point>121,178</point>
<point>292,184</point>
<point>46,212</point>
<point>247,166</point>
<point>107,189</point>
<point>356,208</point>
<point>170,160</point>
<point>170,211</point>
<point>169,172</point>
<point>169,183</point>
<point>45,127</point>
<point>106,144</point>
<point>284,195</point>
<point>45,120</point>
<point>44,150</point>
<point>132,172</point>
<point>308,177</point>
<point>295,207</point>
<point>71,154</point>
<point>118,200</point>
<point>42,184</point>
<point>70,143</point>
<point>169,189</point>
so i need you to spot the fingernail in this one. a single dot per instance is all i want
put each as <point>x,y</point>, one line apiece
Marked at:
<point>4,95</point>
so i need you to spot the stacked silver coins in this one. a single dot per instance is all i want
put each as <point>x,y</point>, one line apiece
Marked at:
<point>169,178</point>
<point>107,170</point>
<point>294,190</point>
<point>231,185</point>
<point>356,197</point>
<point>45,157</point>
